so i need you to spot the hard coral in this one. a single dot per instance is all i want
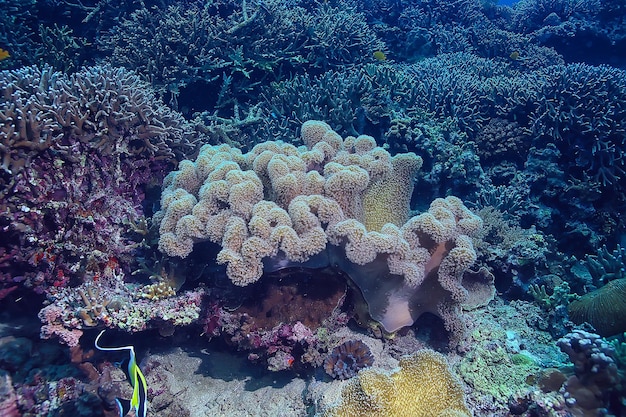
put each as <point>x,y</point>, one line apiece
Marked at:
<point>347,359</point>
<point>8,398</point>
<point>279,322</point>
<point>596,382</point>
<point>329,203</point>
<point>592,143</point>
<point>77,153</point>
<point>309,296</point>
<point>110,303</point>
<point>604,309</point>
<point>424,386</point>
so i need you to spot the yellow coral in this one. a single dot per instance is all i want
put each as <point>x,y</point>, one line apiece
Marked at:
<point>157,291</point>
<point>388,199</point>
<point>424,386</point>
<point>312,132</point>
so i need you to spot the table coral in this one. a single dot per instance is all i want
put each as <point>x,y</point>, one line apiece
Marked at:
<point>327,203</point>
<point>423,386</point>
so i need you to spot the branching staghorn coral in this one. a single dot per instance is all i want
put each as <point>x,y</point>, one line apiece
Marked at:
<point>459,86</point>
<point>575,112</point>
<point>534,15</point>
<point>341,202</point>
<point>16,33</point>
<point>248,40</point>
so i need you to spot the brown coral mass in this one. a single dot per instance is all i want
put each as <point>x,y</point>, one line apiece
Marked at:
<point>347,359</point>
<point>289,296</point>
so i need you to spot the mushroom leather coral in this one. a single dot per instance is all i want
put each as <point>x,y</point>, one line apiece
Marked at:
<point>424,386</point>
<point>335,201</point>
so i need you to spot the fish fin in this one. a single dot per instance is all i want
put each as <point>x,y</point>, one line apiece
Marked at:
<point>123,406</point>
<point>142,406</point>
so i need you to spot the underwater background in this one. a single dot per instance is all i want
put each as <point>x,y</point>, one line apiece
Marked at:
<point>313,208</point>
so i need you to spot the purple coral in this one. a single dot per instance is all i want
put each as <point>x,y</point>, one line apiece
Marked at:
<point>596,382</point>
<point>76,156</point>
<point>347,359</point>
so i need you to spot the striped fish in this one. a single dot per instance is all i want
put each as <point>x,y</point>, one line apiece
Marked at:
<point>138,402</point>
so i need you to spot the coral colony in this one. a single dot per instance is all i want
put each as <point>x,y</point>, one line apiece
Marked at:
<point>338,208</point>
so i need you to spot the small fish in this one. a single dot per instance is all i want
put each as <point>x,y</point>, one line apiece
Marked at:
<point>140,389</point>
<point>4,54</point>
<point>380,55</point>
<point>514,55</point>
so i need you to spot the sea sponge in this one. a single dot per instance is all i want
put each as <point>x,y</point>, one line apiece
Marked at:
<point>604,308</point>
<point>423,386</point>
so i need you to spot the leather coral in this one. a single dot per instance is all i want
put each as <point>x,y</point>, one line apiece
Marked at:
<point>335,201</point>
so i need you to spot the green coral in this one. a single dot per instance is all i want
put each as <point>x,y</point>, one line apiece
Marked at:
<point>561,295</point>
<point>606,266</point>
<point>495,366</point>
<point>496,372</point>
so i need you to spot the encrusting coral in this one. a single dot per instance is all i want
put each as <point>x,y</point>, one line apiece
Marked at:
<point>77,154</point>
<point>335,201</point>
<point>424,386</point>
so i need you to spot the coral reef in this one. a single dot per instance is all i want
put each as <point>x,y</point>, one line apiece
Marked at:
<point>505,349</point>
<point>422,386</point>
<point>110,302</point>
<point>8,399</point>
<point>496,366</point>
<point>514,254</point>
<point>604,266</point>
<point>601,279</point>
<point>338,201</point>
<point>78,154</point>
<point>591,143</point>
<point>319,246</point>
<point>604,308</point>
<point>236,43</point>
<point>283,319</point>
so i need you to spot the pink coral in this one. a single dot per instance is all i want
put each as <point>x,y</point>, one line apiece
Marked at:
<point>77,153</point>
<point>70,337</point>
<point>8,398</point>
